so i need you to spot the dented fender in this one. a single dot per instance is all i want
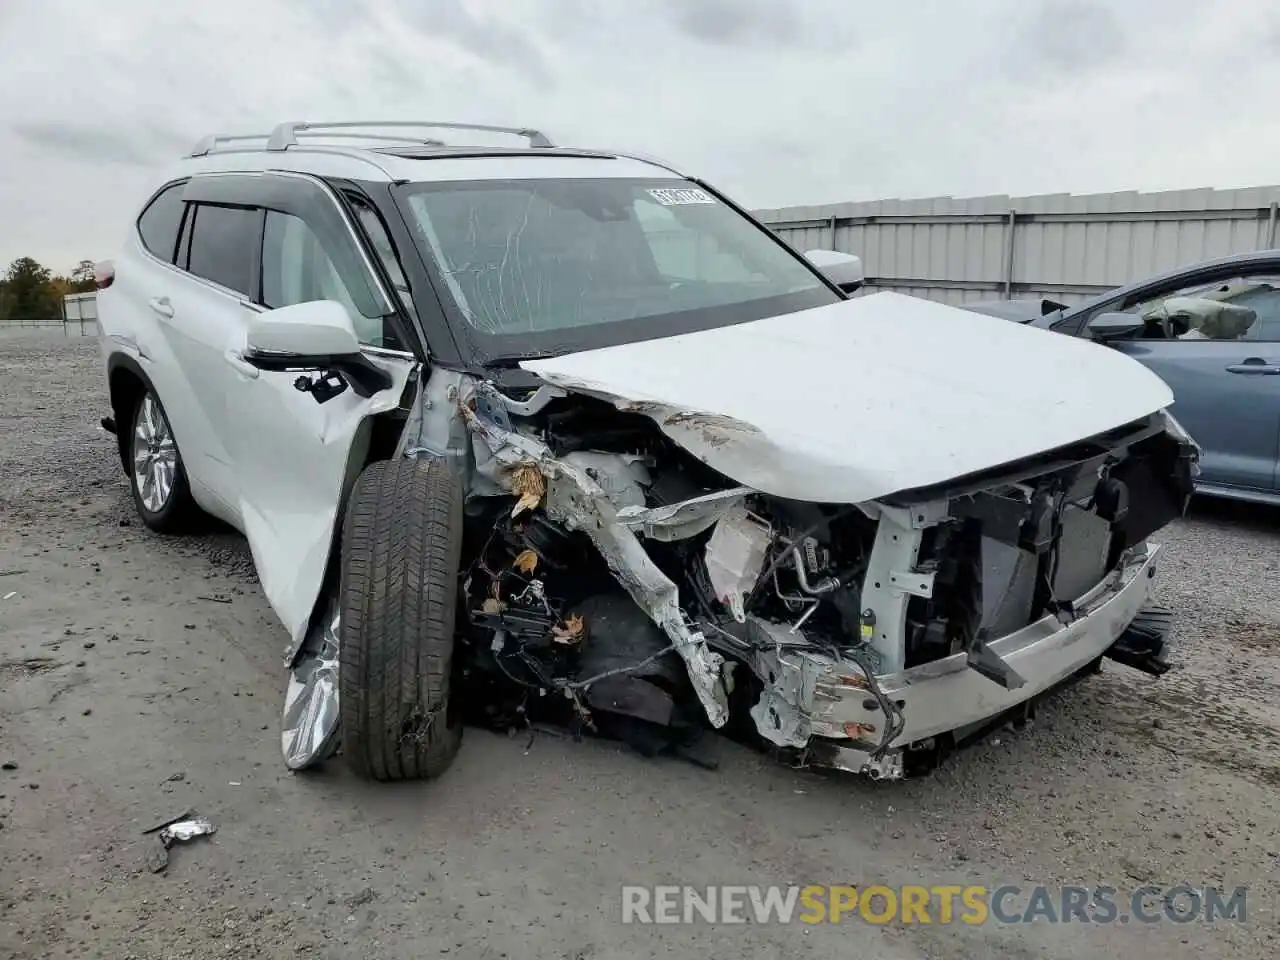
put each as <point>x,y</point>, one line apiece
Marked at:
<point>292,479</point>
<point>570,496</point>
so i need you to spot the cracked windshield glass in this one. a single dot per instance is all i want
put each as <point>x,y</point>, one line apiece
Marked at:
<point>531,256</point>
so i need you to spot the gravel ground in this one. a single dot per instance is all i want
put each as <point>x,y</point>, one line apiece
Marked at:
<point>139,677</point>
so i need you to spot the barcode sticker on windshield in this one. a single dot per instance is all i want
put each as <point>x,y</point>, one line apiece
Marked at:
<point>674,196</point>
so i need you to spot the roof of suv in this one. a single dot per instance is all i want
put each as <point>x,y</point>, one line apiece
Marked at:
<point>369,155</point>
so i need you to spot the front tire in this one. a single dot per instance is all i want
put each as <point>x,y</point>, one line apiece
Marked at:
<point>398,590</point>
<point>157,476</point>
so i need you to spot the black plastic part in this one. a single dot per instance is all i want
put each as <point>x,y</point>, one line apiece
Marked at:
<point>554,546</point>
<point>1144,645</point>
<point>323,387</point>
<point>1160,480</point>
<point>1078,454</point>
<point>653,708</point>
<point>1111,499</point>
<point>1001,517</point>
<point>365,376</point>
<point>991,665</point>
<point>531,626</point>
<point>1037,532</point>
<point>965,591</point>
<point>109,425</point>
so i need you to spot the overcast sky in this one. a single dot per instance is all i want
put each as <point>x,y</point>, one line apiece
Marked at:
<point>776,101</point>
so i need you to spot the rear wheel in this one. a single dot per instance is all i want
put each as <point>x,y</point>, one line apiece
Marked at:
<point>159,480</point>
<point>398,592</point>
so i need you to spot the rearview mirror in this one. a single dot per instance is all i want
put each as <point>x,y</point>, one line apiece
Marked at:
<point>1109,326</point>
<point>318,328</point>
<point>842,269</point>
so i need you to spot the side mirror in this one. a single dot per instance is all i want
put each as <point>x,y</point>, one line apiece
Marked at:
<point>318,328</point>
<point>842,269</point>
<point>1111,326</point>
<point>317,335</point>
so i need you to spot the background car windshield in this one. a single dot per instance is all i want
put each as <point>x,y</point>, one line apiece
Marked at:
<point>529,257</point>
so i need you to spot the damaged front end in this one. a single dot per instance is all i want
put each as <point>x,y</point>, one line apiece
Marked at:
<point>612,579</point>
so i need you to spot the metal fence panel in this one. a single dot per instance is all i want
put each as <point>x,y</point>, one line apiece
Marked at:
<point>1056,245</point>
<point>80,306</point>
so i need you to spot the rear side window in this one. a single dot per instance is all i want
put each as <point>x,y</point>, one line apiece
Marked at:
<point>223,245</point>
<point>159,223</point>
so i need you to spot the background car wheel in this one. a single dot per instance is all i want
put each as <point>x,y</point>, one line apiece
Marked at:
<point>401,546</point>
<point>156,474</point>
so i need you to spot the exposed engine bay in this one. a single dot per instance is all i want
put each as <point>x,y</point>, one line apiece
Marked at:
<point>612,579</point>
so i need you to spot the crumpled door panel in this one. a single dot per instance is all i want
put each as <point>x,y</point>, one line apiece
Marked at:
<point>295,458</point>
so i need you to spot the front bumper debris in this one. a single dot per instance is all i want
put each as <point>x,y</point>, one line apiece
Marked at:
<point>1145,644</point>
<point>830,703</point>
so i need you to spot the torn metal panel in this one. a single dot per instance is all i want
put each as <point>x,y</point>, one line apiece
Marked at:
<point>577,501</point>
<point>796,697</point>
<point>838,756</point>
<point>435,427</point>
<point>678,521</point>
<point>782,714</point>
<point>623,477</point>
<point>309,731</point>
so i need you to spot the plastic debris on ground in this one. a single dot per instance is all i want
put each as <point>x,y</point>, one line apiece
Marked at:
<point>181,828</point>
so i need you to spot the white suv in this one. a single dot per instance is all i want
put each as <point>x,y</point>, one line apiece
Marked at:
<point>535,429</point>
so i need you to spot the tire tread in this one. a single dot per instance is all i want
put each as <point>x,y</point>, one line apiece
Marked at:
<point>401,546</point>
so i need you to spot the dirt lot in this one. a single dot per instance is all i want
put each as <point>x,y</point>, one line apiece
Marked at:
<point>140,676</point>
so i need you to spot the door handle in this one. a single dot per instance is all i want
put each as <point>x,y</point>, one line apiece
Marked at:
<point>1255,366</point>
<point>241,365</point>
<point>161,306</point>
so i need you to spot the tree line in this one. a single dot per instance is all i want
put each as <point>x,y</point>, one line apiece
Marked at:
<point>31,291</point>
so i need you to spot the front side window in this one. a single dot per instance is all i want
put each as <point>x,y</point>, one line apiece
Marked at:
<point>297,268</point>
<point>1236,308</point>
<point>536,266</point>
<point>382,247</point>
<point>222,245</point>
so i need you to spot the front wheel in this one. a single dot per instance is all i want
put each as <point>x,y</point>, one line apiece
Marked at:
<point>398,591</point>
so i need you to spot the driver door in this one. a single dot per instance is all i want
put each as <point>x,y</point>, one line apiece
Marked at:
<point>297,449</point>
<point>1226,389</point>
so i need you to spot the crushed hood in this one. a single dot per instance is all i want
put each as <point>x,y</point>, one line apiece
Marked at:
<point>868,397</point>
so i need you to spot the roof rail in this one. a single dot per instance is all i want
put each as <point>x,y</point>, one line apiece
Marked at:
<point>211,143</point>
<point>285,135</point>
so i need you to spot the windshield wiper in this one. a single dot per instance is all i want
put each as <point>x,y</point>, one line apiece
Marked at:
<point>508,361</point>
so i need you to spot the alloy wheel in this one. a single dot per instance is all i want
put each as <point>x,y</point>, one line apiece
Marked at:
<point>155,455</point>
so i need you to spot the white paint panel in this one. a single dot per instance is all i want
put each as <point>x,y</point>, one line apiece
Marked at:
<point>867,397</point>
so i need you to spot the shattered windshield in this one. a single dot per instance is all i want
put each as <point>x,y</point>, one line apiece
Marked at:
<point>537,266</point>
